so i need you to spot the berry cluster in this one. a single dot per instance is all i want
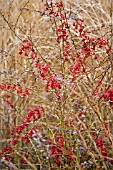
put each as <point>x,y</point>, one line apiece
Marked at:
<point>43,69</point>
<point>22,133</point>
<point>8,89</point>
<point>109,96</point>
<point>101,145</point>
<point>58,149</point>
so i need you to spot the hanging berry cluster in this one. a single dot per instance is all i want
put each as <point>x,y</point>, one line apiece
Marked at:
<point>43,69</point>
<point>101,145</point>
<point>24,132</point>
<point>58,150</point>
<point>109,96</point>
<point>8,89</point>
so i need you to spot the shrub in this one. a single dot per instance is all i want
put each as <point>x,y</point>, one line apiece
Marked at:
<point>68,122</point>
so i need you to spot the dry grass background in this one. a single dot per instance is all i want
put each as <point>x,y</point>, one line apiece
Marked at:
<point>21,19</point>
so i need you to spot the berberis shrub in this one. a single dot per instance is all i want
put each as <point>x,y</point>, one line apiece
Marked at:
<point>68,123</point>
